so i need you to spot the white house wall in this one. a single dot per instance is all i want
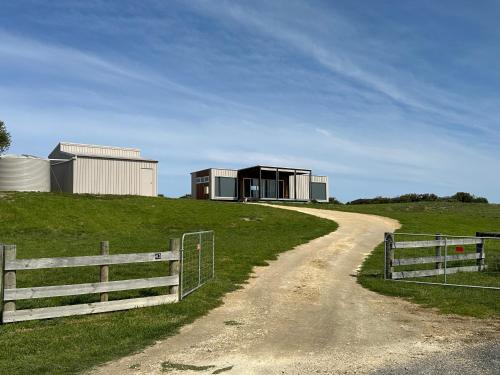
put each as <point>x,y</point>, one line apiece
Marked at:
<point>323,180</point>
<point>303,186</point>
<point>215,172</point>
<point>320,179</point>
<point>109,176</point>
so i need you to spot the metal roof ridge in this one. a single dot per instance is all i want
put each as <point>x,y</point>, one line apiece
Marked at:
<point>100,146</point>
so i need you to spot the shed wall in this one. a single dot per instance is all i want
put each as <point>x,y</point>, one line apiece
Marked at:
<point>109,176</point>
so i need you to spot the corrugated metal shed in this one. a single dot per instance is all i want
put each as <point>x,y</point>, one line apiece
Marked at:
<point>92,169</point>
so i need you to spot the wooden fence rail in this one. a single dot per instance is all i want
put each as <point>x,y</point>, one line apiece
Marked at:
<point>436,259</point>
<point>439,243</point>
<point>10,293</point>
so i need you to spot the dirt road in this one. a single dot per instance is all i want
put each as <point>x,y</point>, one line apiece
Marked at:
<point>306,314</point>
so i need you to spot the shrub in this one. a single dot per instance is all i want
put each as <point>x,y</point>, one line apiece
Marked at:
<point>334,200</point>
<point>413,197</point>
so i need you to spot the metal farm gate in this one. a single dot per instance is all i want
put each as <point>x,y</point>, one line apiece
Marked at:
<point>197,260</point>
<point>444,259</point>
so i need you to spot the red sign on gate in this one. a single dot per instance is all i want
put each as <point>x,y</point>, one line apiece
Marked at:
<point>459,249</point>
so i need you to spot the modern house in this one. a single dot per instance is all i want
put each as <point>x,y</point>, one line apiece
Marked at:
<point>259,183</point>
<point>90,169</point>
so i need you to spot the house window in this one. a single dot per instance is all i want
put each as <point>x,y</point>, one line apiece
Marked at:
<point>202,180</point>
<point>251,187</point>
<point>268,189</point>
<point>225,187</point>
<point>318,191</point>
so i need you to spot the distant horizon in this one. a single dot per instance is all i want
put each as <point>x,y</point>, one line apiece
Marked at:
<point>283,166</point>
<point>385,99</point>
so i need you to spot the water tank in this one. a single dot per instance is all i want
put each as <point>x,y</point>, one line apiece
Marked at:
<point>24,173</point>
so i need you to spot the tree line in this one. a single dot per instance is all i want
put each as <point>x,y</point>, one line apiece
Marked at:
<point>413,197</point>
<point>4,138</point>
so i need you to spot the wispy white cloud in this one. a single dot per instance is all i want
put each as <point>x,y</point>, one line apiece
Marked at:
<point>88,66</point>
<point>232,84</point>
<point>360,58</point>
<point>26,50</point>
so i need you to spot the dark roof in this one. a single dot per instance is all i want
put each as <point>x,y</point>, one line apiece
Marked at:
<point>275,167</point>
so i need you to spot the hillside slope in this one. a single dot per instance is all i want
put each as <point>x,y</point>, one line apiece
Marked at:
<point>452,218</point>
<point>44,225</point>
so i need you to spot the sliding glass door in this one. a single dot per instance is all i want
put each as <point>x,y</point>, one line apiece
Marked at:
<point>251,187</point>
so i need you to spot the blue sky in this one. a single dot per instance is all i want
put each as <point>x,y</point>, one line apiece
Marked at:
<point>385,97</point>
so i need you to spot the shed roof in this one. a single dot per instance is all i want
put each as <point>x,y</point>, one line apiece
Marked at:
<point>70,150</point>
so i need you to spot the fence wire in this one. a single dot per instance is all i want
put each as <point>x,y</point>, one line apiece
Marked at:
<point>467,261</point>
<point>198,260</point>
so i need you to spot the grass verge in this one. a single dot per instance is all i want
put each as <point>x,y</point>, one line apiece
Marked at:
<point>48,225</point>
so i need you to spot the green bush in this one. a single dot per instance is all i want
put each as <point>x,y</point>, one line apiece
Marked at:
<point>413,197</point>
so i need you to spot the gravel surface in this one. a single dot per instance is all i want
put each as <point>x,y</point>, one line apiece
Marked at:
<point>305,314</point>
<point>468,360</point>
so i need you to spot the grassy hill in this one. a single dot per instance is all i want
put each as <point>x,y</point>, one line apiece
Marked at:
<point>47,225</point>
<point>452,218</point>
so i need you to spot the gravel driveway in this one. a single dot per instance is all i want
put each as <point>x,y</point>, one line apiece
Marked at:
<point>305,314</point>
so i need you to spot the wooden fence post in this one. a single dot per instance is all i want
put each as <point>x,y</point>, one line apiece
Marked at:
<point>439,264</point>
<point>104,277</point>
<point>9,276</point>
<point>389,254</point>
<point>174,266</point>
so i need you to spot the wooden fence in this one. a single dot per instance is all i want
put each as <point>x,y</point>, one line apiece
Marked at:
<point>439,259</point>
<point>10,293</point>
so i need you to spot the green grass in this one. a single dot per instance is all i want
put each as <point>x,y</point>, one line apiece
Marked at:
<point>447,218</point>
<point>48,225</point>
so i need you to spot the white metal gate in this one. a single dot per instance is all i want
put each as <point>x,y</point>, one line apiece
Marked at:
<point>197,260</point>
